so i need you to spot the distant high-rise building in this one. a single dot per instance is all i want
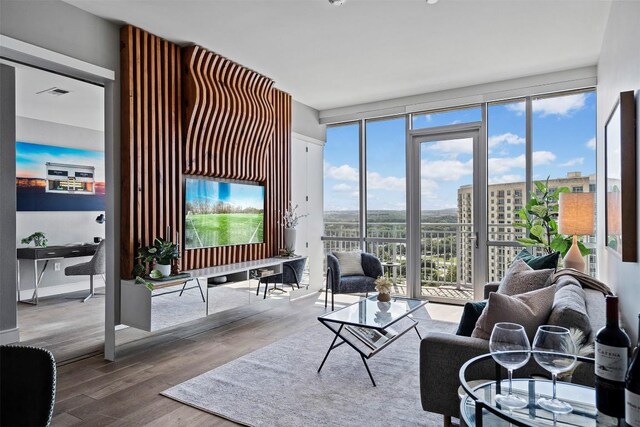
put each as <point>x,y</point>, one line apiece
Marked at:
<point>503,202</point>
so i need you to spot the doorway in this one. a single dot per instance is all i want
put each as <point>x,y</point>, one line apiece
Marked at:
<point>444,245</point>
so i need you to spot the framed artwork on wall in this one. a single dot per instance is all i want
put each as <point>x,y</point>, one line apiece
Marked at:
<point>620,175</point>
<point>53,178</point>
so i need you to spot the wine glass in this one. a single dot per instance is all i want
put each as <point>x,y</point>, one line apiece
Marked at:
<point>555,351</point>
<point>510,348</point>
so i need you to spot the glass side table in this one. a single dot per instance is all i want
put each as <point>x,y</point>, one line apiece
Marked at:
<point>479,408</point>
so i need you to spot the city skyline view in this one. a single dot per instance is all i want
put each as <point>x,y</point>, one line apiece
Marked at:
<point>563,141</point>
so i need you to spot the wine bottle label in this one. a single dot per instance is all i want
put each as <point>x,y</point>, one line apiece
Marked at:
<point>632,408</point>
<point>611,362</point>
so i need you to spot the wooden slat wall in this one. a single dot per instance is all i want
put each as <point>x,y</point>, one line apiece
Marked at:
<point>151,141</point>
<point>237,126</point>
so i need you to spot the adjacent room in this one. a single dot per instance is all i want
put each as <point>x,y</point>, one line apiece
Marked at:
<point>319,213</point>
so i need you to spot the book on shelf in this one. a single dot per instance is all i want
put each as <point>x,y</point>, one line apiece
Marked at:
<point>371,337</point>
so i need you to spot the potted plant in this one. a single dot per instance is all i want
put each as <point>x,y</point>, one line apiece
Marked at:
<point>38,238</point>
<point>383,286</point>
<point>290,221</point>
<point>539,217</point>
<point>161,253</point>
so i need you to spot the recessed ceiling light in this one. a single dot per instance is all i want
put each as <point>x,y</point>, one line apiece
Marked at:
<point>337,2</point>
<point>432,1</point>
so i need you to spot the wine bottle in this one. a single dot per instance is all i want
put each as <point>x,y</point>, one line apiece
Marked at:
<point>612,351</point>
<point>632,389</point>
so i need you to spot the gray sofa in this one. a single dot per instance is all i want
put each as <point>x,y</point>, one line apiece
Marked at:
<point>443,354</point>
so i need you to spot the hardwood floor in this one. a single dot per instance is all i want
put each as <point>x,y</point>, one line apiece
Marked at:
<point>126,392</point>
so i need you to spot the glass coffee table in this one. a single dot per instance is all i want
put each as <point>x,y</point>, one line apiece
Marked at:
<point>369,325</point>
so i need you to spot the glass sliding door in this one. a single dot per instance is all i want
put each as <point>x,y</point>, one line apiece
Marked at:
<point>444,213</point>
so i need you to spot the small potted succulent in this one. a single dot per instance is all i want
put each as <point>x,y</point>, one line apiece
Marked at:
<point>383,286</point>
<point>161,253</point>
<point>38,238</point>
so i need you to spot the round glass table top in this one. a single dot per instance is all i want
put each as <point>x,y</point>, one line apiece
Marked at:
<point>581,398</point>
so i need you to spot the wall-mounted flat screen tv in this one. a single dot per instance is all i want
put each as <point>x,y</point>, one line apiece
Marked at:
<point>222,213</point>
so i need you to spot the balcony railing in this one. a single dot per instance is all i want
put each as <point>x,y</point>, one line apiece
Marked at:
<point>446,264</point>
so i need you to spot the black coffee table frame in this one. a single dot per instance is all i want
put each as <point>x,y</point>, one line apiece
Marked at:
<point>402,325</point>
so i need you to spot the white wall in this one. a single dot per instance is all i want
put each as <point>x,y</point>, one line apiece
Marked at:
<point>619,70</point>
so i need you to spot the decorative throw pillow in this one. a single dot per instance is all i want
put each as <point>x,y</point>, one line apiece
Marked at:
<point>470,315</point>
<point>350,263</point>
<point>521,278</point>
<point>539,262</point>
<point>530,310</point>
<point>569,308</point>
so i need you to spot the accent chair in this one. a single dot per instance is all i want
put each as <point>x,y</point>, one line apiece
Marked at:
<point>347,284</point>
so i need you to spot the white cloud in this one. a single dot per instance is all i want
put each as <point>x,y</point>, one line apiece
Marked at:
<point>501,165</point>
<point>543,157</point>
<point>502,179</point>
<point>509,138</point>
<point>591,144</point>
<point>342,187</point>
<point>452,146</point>
<point>446,170</point>
<point>573,162</point>
<point>375,181</point>
<point>558,105</point>
<point>341,173</point>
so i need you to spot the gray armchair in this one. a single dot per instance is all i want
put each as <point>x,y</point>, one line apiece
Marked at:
<point>97,265</point>
<point>291,275</point>
<point>339,284</point>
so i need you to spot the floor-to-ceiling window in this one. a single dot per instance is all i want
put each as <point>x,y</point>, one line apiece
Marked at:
<point>527,139</point>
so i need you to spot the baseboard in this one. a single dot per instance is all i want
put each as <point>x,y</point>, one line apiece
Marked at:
<point>66,288</point>
<point>9,336</point>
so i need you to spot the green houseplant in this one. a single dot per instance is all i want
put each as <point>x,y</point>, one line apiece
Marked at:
<point>539,218</point>
<point>38,238</point>
<point>161,253</point>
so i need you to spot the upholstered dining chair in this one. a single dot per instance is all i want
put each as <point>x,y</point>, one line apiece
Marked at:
<point>291,275</point>
<point>347,279</point>
<point>27,386</point>
<point>97,265</point>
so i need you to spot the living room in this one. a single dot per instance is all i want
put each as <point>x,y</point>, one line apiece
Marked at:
<point>312,124</point>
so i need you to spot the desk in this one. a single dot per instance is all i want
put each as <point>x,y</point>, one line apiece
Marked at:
<point>47,254</point>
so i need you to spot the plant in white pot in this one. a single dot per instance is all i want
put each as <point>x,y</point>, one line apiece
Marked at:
<point>290,221</point>
<point>162,253</point>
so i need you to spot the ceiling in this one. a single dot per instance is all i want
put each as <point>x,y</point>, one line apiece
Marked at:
<point>82,107</point>
<point>370,50</point>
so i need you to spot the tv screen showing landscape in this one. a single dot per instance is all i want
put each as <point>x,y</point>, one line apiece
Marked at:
<point>221,213</point>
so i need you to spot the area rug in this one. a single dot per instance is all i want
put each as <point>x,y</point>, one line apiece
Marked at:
<point>278,385</point>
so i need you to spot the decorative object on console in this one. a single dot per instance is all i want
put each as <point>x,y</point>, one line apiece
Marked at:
<point>538,217</point>
<point>621,179</point>
<point>162,253</point>
<point>575,217</point>
<point>38,238</point>
<point>100,219</point>
<point>290,220</point>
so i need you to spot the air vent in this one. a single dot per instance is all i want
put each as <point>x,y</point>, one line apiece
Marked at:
<point>55,91</point>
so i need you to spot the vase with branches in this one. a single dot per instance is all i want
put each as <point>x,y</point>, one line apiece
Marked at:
<point>290,220</point>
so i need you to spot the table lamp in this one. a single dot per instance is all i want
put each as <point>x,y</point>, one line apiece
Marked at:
<point>575,216</point>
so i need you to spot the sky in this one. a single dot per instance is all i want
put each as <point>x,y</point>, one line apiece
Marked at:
<point>563,141</point>
<point>31,159</point>
<point>244,195</point>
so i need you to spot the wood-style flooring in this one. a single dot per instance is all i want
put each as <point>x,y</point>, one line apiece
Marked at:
<point>95,392</point>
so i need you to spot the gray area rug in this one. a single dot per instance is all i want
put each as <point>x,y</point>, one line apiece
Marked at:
<point>278,385</point>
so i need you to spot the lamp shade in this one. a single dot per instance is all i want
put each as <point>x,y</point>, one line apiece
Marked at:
<point>575,215</point>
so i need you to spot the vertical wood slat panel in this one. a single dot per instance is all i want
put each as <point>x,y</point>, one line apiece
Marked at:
<point>151,142</point>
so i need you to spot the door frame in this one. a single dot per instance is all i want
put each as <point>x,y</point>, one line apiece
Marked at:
<point>475,130</point>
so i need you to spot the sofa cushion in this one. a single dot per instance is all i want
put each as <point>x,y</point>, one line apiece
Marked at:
<point>521,278</point>
<point>539,262</point>
<point>355,284</point>
<point>470,315</point>
<point>596,309</point>
<point>530,310</point>
<point>569,308</point>
<point>350,263</point>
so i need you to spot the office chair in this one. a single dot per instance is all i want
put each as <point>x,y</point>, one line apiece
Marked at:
<point>96,265</point>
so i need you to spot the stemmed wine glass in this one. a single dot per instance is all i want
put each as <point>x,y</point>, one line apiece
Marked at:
<point>555,351</point>
<point>510,347</point>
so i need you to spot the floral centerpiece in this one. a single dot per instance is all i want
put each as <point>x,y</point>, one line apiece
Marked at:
<point>290,220</point>
<point>383,286</point>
